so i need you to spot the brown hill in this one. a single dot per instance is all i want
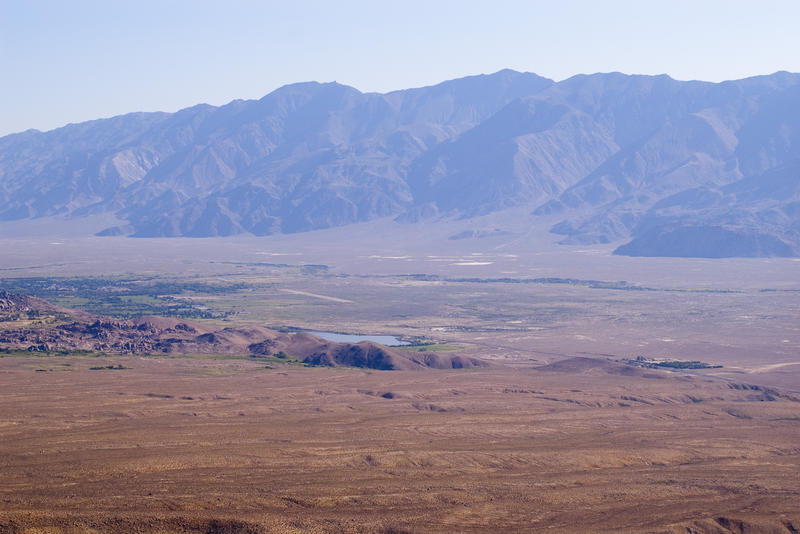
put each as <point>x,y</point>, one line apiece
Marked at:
<point>14,303</point>
<point>375,356</point>
<point>163,335</point>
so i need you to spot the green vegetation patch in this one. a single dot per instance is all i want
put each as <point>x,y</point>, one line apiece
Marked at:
<point>20,353</point>
<point>431,347</point>
<point>126,297</point>
<point>688,364</point>
<point>109,367</point>
<point>641,361</point>
<point>279,357</point>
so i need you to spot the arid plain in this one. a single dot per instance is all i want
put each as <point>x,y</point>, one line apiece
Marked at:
<point>560,434</point>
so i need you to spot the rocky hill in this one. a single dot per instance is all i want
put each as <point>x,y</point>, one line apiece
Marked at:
<point>679,168</point>
<point>13,302</point>
<point>45,328</point>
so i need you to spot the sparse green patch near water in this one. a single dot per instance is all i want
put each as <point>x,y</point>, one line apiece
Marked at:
<point>24,353</point>
<point>432,347</point>
<point>125,297</point>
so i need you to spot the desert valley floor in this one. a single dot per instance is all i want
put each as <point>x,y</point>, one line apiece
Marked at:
<point>563,432</point>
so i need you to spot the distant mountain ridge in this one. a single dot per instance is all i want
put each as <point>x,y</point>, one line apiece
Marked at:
<point>680,168</point>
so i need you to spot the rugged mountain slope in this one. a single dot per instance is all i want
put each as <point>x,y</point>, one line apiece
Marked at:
<point>303,157</point>
<point>684,168</point>
<point>756,216</point>
<point>529,151</point>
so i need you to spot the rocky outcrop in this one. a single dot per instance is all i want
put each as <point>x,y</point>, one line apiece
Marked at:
<point>161,335</point>
<point>14,302</point>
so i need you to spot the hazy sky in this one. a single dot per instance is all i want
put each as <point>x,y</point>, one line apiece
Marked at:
<point>73,60</point>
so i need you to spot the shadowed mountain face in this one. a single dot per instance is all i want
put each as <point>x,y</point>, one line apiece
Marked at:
<point>681,168</point>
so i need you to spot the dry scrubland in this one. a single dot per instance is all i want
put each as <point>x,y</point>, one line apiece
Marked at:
<point>558,436</point>
<point>229,446</point>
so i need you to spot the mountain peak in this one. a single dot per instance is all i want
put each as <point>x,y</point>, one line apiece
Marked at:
<point>618,156</point>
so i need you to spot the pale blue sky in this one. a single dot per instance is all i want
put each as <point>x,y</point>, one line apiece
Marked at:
<point>73,60</point>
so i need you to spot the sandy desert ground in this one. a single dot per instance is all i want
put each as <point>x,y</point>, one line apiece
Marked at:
<point>187,445</point>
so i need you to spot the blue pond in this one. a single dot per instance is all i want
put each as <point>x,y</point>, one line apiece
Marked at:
<point>389,341</point>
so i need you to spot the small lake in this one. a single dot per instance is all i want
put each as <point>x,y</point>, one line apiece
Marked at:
<point>389,341</point>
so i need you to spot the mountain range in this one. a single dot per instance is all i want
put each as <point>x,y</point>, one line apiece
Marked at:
<point>675,168</point>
